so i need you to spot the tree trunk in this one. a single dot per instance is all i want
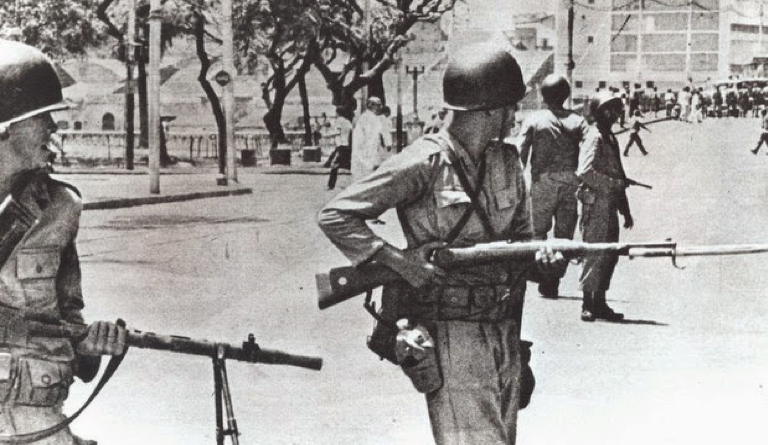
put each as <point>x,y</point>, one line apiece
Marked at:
<point>376,87</point>
<point>129,110</point>
<point>305,112</point>
<point>143,105</point>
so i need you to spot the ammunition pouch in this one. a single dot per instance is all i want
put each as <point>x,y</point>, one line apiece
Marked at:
<point>28,381</point>
<point>484,303</point>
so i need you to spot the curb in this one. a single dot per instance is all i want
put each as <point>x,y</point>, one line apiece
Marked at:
<point>133,202</point>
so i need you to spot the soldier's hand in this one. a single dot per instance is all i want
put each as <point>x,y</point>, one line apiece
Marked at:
<point>416,267</point>
<point>628,221</point>
<point>104,338</point>
<point>550,262</point>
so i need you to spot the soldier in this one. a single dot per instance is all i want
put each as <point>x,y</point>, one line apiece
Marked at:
<point>460,186</point>
<point>39,267</point>
<point>552,138</point>
<point>602,194</point>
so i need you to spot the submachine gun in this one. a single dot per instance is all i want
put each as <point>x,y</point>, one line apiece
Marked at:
<point>219,352</point>
<point>343,283</point>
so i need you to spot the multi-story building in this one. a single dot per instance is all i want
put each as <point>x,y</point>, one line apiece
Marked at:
<point>660,43</point>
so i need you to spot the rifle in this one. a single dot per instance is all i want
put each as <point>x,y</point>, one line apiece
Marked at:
<point>249,352</point>
<point>639,184</point>
<point>343,283</point>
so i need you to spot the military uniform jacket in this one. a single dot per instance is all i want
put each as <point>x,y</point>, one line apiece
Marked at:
<point>41,280</point>
<point>553,137</point>
<point>600,169</point>
<point>422,183</point>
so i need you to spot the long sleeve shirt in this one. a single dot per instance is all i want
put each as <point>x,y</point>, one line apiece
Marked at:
<point>553,138</point>
<point>600,167</point>
<point>422,183</point>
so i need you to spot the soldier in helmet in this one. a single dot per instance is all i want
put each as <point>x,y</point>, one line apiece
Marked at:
<point>551,137</point>
<point>457,187</point>
<point>603,196</point>
<point>39,268</point>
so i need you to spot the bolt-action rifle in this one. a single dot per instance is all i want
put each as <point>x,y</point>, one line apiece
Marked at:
<point>343,283</point>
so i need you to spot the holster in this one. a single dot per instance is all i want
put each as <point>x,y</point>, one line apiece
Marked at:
<point>527,379</point>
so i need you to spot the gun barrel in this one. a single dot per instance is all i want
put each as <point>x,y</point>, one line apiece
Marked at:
<point>249,352</point>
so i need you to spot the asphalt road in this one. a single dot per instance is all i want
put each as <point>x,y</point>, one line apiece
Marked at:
<point>688,366</point>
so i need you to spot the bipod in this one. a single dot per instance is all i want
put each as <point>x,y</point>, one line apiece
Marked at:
<point>223,396</point>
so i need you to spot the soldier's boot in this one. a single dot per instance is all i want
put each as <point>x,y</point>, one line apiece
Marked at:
<point>588,307</point>
<point>549,288</point>
<point>603,311</point>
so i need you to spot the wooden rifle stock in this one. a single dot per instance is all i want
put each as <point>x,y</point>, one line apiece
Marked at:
<point>249,352</point>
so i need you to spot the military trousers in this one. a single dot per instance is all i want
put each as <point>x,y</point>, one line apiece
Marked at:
<point>599,224</point>
<point>478,402</point>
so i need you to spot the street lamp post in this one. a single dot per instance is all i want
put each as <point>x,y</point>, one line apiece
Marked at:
<point>415,71</point>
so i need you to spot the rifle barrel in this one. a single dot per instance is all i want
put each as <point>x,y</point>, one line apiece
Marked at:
<point>249,352</point>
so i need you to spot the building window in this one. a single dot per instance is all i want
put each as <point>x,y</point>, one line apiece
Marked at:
<point>579,84</point>
<point>78,125</point>
<point>590,39</point>
<point>602,84</point>
<point>649,84</point>
<point>63,125</point>
<point>108,122</point>
<point>591,2</point>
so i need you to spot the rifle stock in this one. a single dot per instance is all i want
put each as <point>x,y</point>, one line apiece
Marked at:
<point>249,351</point>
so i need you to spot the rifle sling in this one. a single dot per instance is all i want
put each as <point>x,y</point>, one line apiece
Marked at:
<point>35,436</point>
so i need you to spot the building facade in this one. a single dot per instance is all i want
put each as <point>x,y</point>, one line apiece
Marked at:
<point>651,43</point>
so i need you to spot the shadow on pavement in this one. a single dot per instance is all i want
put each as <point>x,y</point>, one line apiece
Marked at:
<point>638,322</point>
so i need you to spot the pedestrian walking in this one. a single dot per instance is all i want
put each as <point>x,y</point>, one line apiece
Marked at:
<point>669,102</point>
<point>634,134</point>
<point>603,196</point>
<point>368,139</point>
<point>39,267</point>
<point>342,155</point>
<point>764,134</point>
<point>473,389</point>
<point>551,138</point>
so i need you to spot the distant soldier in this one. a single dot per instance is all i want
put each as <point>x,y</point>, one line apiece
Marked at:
<point>39,266</point>
<point>551,137</point>
<point>602,194</point>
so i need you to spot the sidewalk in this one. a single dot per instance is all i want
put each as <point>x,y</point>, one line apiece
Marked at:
<point>111,188</point>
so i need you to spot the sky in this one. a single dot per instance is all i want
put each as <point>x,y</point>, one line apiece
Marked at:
<point>495,13</point>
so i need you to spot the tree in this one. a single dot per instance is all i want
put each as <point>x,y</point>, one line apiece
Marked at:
<point>59,28</point>
<point>283,33</point>
<point>369,45</point>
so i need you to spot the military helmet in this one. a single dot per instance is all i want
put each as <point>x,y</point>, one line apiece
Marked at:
<point>29,84</point>
<point>555,89</point>
<point>482,77</point>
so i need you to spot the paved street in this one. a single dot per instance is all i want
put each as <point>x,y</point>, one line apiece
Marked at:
<point>688,366</point>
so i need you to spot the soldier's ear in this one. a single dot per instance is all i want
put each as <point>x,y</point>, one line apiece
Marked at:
<point>3,132</point>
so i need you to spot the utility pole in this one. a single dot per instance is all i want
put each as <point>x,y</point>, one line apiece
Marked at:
<point>367,24</point>
<point>155,23</point>
<point>415,71</point>
<point>228,55</point>
<point>129,48</point>
<point>688,42</point>
<point>570,64</point>
<point>399,118</point>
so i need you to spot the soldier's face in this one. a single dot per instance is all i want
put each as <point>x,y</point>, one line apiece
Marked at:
<point>26,148</point>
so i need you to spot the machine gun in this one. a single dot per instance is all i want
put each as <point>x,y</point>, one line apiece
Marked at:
<point>343,283</point>
<point>249,352</point>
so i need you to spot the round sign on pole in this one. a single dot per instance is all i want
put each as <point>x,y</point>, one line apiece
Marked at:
<point>222,78</point>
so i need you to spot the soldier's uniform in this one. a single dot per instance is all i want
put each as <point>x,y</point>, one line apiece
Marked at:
<point>602,195</point>
<point>41,281</point>
<point>553,137</point>
<point>474,316</point>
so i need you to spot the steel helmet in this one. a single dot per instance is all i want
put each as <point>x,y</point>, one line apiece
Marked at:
<point>29,84</point>
<point>482,77</point>
<point>600,102</point>
<point>555,89</point>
